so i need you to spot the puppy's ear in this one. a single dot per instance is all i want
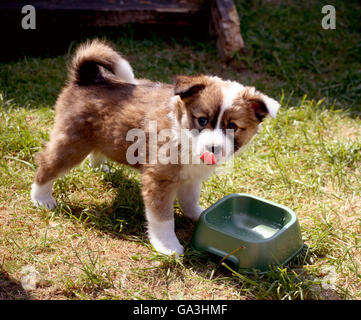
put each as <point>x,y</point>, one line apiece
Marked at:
<point>259,109</point>
<point>263,105</point>
<point>187,87</point>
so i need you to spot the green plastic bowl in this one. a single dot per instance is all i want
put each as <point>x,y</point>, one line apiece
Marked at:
<point>251,232</point>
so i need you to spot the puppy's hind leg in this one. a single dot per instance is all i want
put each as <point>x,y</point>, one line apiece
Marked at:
<point>59,156</point>
<point>98,160</point>
<point>41,194</point>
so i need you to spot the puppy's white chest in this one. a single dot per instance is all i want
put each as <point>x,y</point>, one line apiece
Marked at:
<point>195,172</point>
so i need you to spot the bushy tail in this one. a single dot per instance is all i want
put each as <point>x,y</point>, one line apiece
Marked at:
<point>84,68</point>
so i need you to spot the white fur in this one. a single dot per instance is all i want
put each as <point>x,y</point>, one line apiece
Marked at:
<point>188,196</point>
<point>230,93</point>
<point>41,195</point>
<point>97,159</point>
<point>171,115</point>
<point>216,137</point>
<point>162,235</point>
<point>192,172</point>
<point>271,105</point>
<point>124,71</point>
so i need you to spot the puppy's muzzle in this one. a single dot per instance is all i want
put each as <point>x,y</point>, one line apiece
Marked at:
<point>215,149</point>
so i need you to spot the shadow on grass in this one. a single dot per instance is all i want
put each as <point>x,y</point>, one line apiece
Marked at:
<point>10,289</point>
<point>125,216</point>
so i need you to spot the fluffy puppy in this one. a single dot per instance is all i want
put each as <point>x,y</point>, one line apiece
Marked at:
<point>103,109</point>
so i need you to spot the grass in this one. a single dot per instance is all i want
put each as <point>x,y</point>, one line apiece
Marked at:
<point>93,246</point>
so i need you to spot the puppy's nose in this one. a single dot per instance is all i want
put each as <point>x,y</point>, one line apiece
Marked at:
<point>215,149</point>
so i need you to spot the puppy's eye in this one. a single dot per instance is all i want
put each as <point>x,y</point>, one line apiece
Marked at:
<point>232,126</point>
<point>202,121</point>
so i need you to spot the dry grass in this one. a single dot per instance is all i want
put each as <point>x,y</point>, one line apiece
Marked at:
<point>93,246</point>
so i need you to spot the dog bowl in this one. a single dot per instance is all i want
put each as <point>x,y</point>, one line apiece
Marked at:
<point>251,232</point>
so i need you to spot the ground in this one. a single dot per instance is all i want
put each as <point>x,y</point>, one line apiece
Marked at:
<point>93,246</point>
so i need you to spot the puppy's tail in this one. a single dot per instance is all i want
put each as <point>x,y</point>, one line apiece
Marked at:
<point>84,68</point>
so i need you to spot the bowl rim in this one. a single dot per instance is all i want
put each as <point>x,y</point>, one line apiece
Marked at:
<point>233,195</point>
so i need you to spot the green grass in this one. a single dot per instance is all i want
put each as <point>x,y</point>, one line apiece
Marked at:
<point>290,45</point>
<point>93,246</point>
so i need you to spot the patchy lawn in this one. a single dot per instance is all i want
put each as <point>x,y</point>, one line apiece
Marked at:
<point>93,246</point>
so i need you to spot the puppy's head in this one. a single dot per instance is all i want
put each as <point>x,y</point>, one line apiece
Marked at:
<point>223,116</point>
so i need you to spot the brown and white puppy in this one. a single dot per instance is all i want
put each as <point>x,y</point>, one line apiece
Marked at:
<point>103,103</point>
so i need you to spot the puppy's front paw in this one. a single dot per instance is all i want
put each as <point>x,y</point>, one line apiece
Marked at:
<point>49,203</point>
<point>168,248</point>
<point>41,196</point>
<point>162,236</point>
<point>165,241</point>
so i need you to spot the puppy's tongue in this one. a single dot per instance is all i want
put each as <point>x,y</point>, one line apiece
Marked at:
<point>208,158</point>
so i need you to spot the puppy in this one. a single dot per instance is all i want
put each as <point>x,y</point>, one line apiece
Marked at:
<point>105,112</point>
